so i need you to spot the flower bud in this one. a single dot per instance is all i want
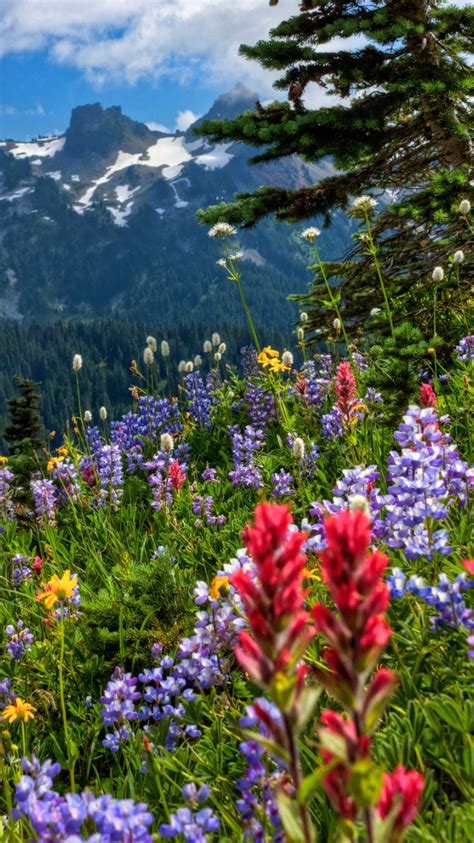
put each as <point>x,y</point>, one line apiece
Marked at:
<point>87,416</point>
<point>298,449</point>
<point>182,366</point>
<point>216,340</point>
<point>166,443</point>
<point>438,273</point>
<point>310,234</point>
<point>458,256</point>
<point>359,502</point>
<point>464,207</point>
<point>148,356</point>
<point>217,357</point>
<point>103,413</point>
<point>77,362</point>
<point>189,367</point>
<point>197,361</point>
<point>300,334</point>
<point>151,343</point>
<point>303,316</point>
<point>207,347</point>
<point>165,349</point>
<point>222,348</point>
<point>336,324</point>
<point>287,359</point>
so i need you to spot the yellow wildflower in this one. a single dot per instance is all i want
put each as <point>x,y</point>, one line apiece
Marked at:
<point>19,710</point>
<point>58,589</point>
<point>219,585</point>
<point>53,462</point>
<point>63,451</point>
<point>269,358</point>
<point>3,460</point>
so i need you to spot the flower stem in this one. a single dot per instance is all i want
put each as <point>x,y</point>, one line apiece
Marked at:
<point>295,770</point>
<point>63,701</point>
<point>373,252</point>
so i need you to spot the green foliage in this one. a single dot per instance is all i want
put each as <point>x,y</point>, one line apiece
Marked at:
<point>406,109</point>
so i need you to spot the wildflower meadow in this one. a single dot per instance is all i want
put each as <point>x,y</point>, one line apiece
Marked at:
<point>243,611</point>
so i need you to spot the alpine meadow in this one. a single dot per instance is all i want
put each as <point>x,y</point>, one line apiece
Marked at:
<point>236,422</point>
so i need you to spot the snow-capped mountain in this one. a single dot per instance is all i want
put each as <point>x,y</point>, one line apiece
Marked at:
<point>103,217</point>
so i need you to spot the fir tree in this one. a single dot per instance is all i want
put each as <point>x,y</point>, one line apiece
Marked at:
<point>402,123</point>
<point>24,430</point>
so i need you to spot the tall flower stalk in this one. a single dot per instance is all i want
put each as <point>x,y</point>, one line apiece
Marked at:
<point>224,230</point>
<point>280,632</point>
<point>357,634</point>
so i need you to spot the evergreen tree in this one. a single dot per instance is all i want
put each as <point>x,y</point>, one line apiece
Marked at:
<point>23,433</point>
<point>402,123</point>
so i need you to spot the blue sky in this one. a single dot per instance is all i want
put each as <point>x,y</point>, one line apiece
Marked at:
<point>163,61</point>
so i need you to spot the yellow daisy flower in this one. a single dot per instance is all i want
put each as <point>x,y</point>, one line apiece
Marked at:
<point>58,589</point>
<point>19,710</point>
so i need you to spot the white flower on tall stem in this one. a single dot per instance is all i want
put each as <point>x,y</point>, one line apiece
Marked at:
<point>222,229</point>
<point>151,343</point>
<point>148,356</point>
<point>165,349</point>
<point>77,362</point>
<point>310,234</point>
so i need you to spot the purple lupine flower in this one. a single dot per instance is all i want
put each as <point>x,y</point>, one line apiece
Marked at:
<point>7,695</point>
<point>249,361</point>
<point>209,474</point>
<point>260,405</point>
<point>331,424</point>
<point>257,803</point>
<point>244,445</point>
<point>194,826</point>
<point>119,700</point>
<point>465,349</point>
<point>6,492</point>
<point>425,478</point>
<point>56,817</point>
<point>200,399</point>
<point>65,476</point>
<point>202,506</point>
<point>20,640</point>
<point>21,570</point>
<point>282,481</point>
<point>109,470</point>
<point>446,598</point>
<point>44,495</point>
<point>317,378</point>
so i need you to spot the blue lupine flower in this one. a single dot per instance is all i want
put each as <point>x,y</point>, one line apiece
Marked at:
<point>20,641</point>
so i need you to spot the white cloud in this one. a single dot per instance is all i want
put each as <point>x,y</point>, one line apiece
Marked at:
<point>159,127</point>
<point>13,111</point>
<point>185,40</point>
<point>185,119</point>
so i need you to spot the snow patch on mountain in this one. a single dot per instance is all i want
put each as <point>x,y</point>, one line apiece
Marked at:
<point>57,175</point>
<point>216,159</point>
<point>123,192</point>
<point>41,149</point>
<point>10,197</point>
<point>120,214</point>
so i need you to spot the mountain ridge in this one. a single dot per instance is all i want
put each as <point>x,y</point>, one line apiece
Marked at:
<point>101,219</point>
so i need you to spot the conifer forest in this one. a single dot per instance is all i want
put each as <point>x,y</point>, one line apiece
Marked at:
<point>236,497</point>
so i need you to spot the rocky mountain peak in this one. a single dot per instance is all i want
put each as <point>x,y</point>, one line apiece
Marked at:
<point>97,130</point>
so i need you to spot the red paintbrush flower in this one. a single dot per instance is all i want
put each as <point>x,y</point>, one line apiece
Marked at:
<point>176,474</point>
<point>404,789</point>
<point>427,395</point>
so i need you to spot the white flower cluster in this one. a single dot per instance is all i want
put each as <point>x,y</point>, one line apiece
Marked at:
<point>464,207</point>
<point>310,234</point>
<point>363,205</point>
<point>222,229</point>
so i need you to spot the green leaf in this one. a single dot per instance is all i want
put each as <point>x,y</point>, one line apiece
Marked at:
<point>307,704</point>
<point>291,818</point>
<point>450,712</point>
<point>312,783</point>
